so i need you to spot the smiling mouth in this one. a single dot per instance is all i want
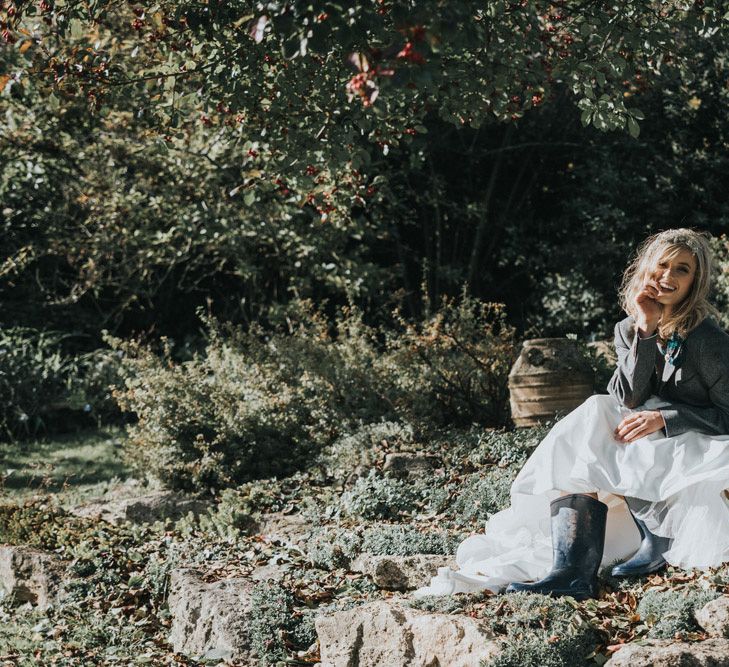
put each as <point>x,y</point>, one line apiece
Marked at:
<point>666,288</point>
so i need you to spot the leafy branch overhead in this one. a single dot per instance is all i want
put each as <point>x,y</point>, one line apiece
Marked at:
<point>328,74</point>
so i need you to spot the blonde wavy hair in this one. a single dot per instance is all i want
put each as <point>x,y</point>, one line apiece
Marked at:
<point>666,245</point>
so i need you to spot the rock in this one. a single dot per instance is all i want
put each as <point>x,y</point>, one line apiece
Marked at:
<point>407,464</point>
<point>714,617</point>
<point>669,653</point>
<point>30,575</point>
<point>400,573</point>
<point>149,508</point>
<point>209,620</point>
<point>274,569</point>
<point>385,633</point>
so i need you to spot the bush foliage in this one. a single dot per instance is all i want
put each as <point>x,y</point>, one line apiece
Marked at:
<point>44,388</point>
<point>256,404</point>
<point>34,374</point>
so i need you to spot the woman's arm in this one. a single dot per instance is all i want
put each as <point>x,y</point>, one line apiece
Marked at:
<point>631,381</point>
<point>713,419</point>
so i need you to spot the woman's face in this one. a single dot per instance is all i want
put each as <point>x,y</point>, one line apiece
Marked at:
<point>673,278</point>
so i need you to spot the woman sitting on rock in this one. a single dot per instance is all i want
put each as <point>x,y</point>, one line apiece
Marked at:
<point>639,472</point>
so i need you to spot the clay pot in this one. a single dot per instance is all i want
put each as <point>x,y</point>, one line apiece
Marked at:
<point>550,376</point>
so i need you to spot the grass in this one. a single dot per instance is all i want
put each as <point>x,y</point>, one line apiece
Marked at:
<point>76,467</point>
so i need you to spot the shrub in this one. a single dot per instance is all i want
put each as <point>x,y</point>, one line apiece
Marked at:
<point>389,540</point>
<point>261,403</point>
<point>541,632</point>
<point>506,448</point>
<point>274,623</point>
<point>44,389</point>
<point>33,375</point>
<point>670,612</point>
<point>720,246</point>
<point>377,497</point>
<point>38,522</point>
<point>453,367</point>
<point>331,549</point>
<point>479,496</point>
<point>365,446</point>
<point>213,421</point>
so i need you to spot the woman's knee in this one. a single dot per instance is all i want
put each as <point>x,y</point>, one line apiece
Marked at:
<point>601,400</point>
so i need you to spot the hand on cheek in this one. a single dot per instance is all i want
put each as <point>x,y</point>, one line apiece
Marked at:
<point>638,425</point>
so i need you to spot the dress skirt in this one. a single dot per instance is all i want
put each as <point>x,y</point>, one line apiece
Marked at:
<point>677,482</point>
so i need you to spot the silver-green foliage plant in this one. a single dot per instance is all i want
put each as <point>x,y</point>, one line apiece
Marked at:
<point>209,422</point>
<point>378,497</point>
<point>274,623</point>
<point>388,540</point>
<point>541,632</point>
<point>330,549</point>
<point>672,611</point>
<point>480,496</point>
<point>254,404</point>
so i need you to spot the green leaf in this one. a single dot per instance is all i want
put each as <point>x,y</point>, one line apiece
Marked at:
<point>633,127</point>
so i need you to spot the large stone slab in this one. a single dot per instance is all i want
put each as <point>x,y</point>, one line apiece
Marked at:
<point>158,506</point>
<point>669,653</point>
<point>714,617</point>
<point>29,575</point>
<point>400,573</point>
<point>209,620</point>
<point>385,633</point>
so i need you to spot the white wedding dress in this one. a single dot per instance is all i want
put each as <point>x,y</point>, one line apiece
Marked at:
<point>680,479</point>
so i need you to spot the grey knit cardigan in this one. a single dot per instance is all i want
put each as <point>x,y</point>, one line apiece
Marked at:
<point>697,392</point>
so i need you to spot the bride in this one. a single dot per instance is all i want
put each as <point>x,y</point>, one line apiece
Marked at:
<point>637,474</point>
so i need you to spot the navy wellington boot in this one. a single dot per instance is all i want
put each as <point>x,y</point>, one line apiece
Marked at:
<point>648,558</point>
<point>578,540</point>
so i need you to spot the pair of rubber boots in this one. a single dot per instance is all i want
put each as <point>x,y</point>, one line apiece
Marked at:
<point>578,541</point>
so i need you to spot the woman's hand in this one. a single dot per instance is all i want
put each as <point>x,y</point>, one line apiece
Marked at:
<point>649,310</point>
<point>638,425</point>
